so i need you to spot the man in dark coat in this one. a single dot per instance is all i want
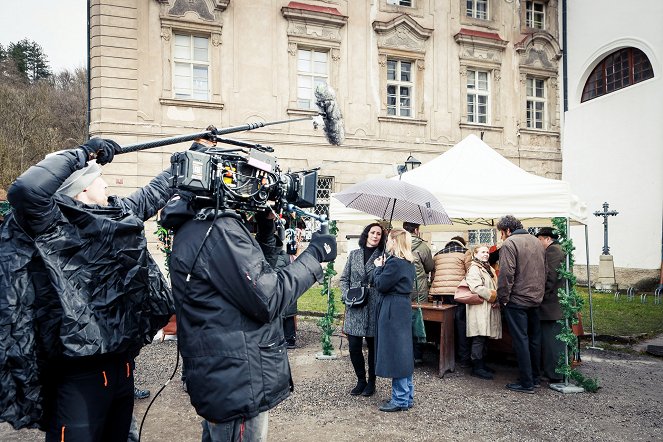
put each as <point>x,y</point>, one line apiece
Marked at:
<point>520,287</point>
<point>550,312</point>
<point>82,293</point>
<point>230,301</point>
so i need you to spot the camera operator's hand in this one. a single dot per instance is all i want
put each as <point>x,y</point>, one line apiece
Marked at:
<point>101,149</point>
<point>265,223</point>
<point>322,247</point>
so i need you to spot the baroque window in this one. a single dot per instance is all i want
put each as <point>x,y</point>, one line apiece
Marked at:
<point>536,103</point>
<point>191,67</point>
<point>535,15</point>
<point>477,9</point>
<point>618,70</point>
<point>312,70</point>
<point>478,96</point>
<point>400,88</point>
<point>400,2</point>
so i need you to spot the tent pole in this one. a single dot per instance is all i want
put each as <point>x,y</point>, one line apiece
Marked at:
<point>589,291</point>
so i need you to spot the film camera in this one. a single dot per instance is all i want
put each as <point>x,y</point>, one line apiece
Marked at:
<point>242,179</point>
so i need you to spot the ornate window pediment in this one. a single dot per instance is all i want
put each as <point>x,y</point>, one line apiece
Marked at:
<point>539,52</point>
<point>314,22</point>
<point>403,33</point>
<point>479,46</point>
<point>180,8</point>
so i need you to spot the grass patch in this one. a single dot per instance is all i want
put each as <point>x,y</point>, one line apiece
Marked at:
<point>614,318</point>
<point>313,301</point>
<point>621,317</point>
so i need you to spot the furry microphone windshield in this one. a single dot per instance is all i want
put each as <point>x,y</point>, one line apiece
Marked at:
<point>331,114</point>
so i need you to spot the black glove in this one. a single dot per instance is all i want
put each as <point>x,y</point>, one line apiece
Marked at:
<point>101,149</point>
<point>265,226</point>
<point>322,247</point>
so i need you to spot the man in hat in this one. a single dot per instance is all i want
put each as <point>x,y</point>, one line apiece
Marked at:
<point>520,287</point>
<point>550,310</point>
<point>89,296</point>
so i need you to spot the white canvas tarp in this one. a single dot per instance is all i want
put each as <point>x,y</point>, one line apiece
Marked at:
<point>476,186</point>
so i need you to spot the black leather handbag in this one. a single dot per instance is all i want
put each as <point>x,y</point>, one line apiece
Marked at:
<point>357,297</point>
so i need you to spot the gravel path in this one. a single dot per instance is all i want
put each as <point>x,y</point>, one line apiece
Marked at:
<point>458,407</point>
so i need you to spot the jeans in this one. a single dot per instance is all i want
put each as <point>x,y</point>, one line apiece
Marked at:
<point>402,391</point>
<point>525,329</point>
<point>237,430</point>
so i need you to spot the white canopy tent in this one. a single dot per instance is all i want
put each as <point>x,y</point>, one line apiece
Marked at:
<point>476,186</point>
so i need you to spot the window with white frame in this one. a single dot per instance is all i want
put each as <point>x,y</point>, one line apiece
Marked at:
<point>477,9</point>
<point>481,236</point>
<point>535,14</point>
<point>478,96</point>
<point>312,70</point>
<point>191,67</point>
<point>536,103</point>
<point>400,2</point>
<point>400,88</point>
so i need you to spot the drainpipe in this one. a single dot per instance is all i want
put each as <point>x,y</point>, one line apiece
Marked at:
<point>89,82</point>
<point>565,52</point>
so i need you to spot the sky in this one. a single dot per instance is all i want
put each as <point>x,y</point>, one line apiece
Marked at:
<point>58,26</point>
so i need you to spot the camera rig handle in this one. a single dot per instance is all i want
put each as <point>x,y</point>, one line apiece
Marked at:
<point>324,223</point>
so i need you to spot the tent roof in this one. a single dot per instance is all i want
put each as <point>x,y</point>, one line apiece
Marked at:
<point>476,186</point>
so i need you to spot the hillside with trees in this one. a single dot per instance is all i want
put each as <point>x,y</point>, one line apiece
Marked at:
<point>40,111</point>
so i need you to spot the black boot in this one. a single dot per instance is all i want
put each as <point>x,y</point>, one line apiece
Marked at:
<point>370,388</point>
<point>479,370</point>
<point>359,388</point>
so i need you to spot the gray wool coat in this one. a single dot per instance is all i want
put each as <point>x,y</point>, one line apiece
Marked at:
<point>360,321</point>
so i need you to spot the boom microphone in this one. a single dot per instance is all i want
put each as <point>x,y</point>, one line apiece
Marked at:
<point>331,114</point>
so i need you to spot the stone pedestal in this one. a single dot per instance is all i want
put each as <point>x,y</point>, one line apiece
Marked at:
<point>606,274</point>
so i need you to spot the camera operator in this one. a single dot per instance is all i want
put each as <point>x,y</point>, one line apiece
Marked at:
<point>83,296</point>
<point>230,301</point>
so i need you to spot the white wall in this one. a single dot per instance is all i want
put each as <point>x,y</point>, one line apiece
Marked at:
<point>612,146</point>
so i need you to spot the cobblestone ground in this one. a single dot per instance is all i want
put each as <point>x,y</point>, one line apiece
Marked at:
<point>457,407</point>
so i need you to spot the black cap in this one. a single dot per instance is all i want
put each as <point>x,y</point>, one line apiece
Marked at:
<point>547,231</point>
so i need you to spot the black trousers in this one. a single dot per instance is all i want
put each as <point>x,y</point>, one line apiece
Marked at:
<point>463,343</point>
<point>355,347</point>
<point>525,329</point>
<point>551,349</point>
<point>289,329</point>
<point>90,401</point>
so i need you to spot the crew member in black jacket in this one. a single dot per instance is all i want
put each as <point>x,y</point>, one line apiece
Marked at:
<point>82,294</point>
<point>230,299</point>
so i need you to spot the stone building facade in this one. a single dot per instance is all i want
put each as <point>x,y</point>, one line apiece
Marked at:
<point>413,77</point>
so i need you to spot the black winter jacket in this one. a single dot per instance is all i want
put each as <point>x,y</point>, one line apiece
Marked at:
<point>76,281</point>
<point>229,303</point>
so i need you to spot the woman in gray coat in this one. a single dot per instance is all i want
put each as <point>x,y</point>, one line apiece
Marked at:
<point>360,321</point>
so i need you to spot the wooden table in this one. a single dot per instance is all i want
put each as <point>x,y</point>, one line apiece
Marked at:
<point>442,314</point>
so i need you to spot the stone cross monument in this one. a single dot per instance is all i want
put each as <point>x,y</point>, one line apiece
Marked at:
<point>606,264</point>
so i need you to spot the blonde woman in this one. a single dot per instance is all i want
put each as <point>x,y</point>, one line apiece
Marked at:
<point>483,320</point>
<point>394,280</point>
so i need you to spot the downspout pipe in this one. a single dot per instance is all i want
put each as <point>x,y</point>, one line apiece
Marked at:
<point>565,51</point>
<point>89,81</point>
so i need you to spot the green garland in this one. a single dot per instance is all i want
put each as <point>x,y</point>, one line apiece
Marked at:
<point>571,304</point>
<point>326,324</point>
<point>5,208</point>
<point>165,237</point>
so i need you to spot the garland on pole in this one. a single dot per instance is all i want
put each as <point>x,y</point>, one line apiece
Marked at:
<point>326,324</point>
<point>165,237</point>
<point>571,304</point>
